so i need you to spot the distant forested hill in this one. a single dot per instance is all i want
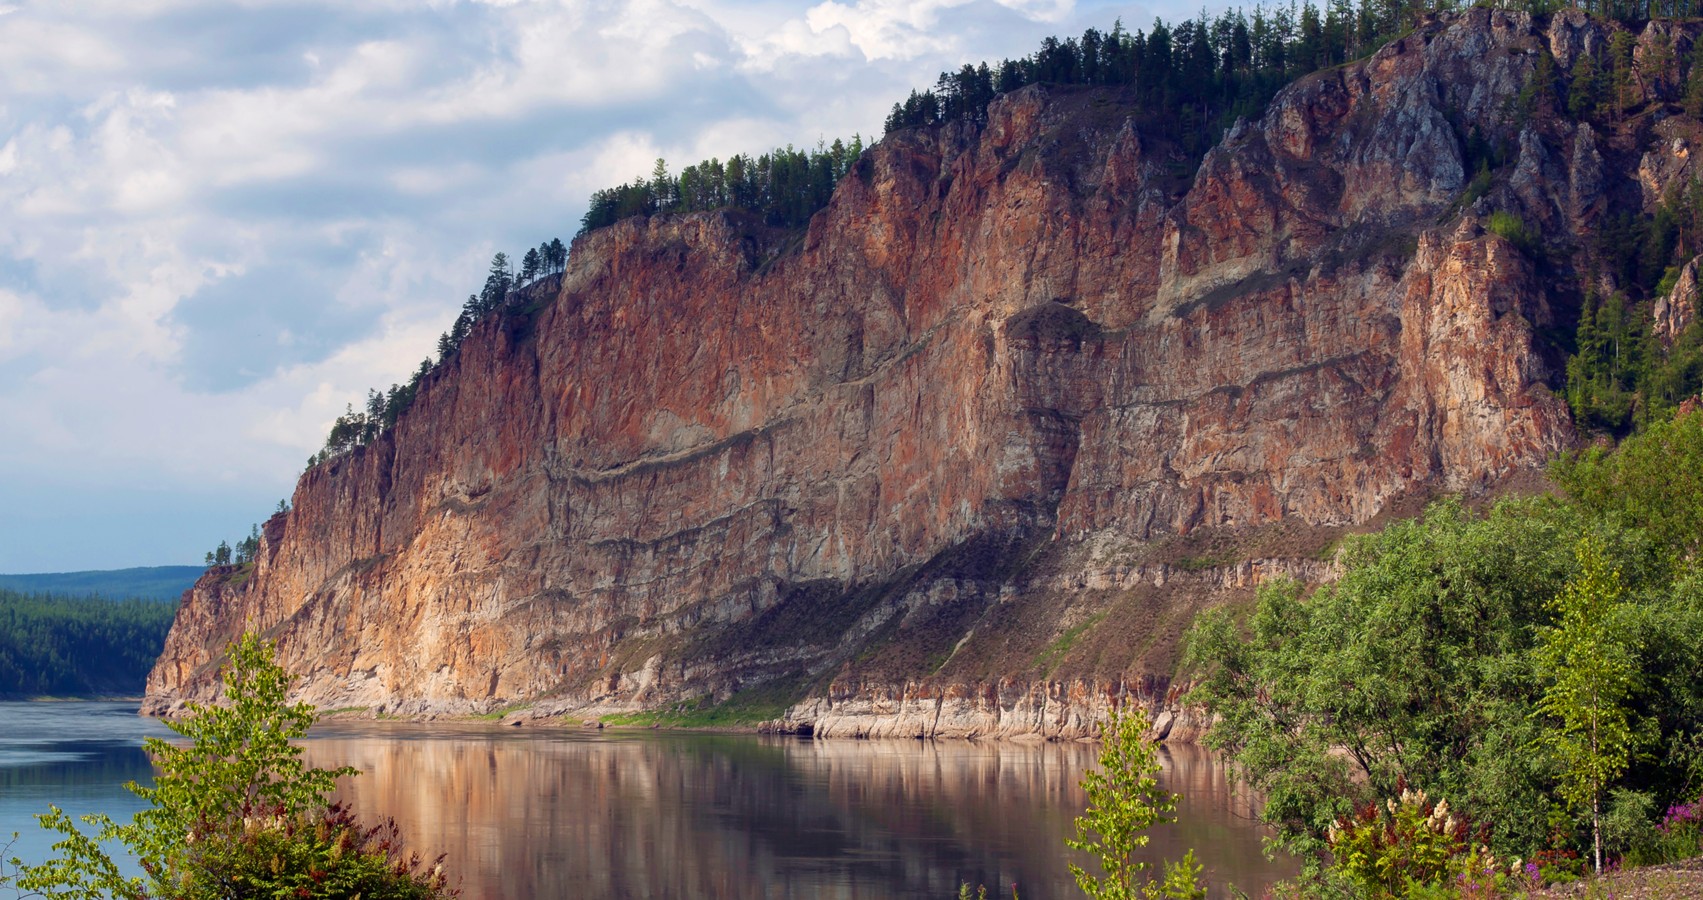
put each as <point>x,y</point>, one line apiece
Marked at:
<point>78,646</point>
<point>147,582</point>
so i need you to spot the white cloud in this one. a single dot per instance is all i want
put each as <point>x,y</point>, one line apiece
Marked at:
<point>880,30</point>
<point>227,220</point>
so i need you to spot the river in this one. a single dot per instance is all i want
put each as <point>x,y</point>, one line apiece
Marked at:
<point>536,812</point>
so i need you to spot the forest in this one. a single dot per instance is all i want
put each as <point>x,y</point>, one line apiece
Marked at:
<point>62,646</point>
<point>1531,669</point>
<point>785,187</point>
<point>1187,84</point>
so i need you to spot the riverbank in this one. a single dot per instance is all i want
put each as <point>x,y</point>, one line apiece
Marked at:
<point>1668,881</point>
<point>1006,710</point>
<point>1170,726</point>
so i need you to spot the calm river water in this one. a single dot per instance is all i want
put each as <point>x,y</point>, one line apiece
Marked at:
<point>543,813</point>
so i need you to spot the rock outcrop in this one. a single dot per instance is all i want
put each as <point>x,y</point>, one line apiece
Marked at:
<point>965,456</point>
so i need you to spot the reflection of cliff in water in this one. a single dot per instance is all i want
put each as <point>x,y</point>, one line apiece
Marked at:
<point>549,814</point>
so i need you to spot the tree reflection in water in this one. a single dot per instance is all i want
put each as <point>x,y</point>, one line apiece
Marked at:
<point>541,813</point>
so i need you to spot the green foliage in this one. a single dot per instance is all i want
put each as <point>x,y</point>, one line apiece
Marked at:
<point>785,187</point>
<point>1677,835</point>
<point>1602,376</point>
<point>245,550</point>
<point>1515,231</point>
<point>239,756</point>
<point>751,706</point>
<point>1482,180</point>
<point>1622,375</point>
<point>1124,800</point>
<point>1653,482</point>
<point>1621,88</point>
<point>1628,824</point>
<point>501,290</point>
<point>1542,92</point>
<point>1590,656</point>
<point>1189,81</point>
<point>235,813</point>
<point>1585,90</point>
<point>1669,280</point>
<point>1406,671</point>
<point>1049,658</point>
<point>1182,880</point>
<point>981,892</point>
<point>1692,101</point>
<point>79,646</point>
<point>1453,646</point>
<point>327,853</point>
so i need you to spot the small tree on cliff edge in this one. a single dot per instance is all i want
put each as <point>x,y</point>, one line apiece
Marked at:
<point>236,813</point>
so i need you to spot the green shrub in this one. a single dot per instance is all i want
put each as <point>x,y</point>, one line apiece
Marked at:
<point>1670,278</point>
<point>1514,230</point>
<point>1678,835</point>
<point>236,814</point>
<point>1479,186</point>
<point>1628,824</point>
<point>323,854</point>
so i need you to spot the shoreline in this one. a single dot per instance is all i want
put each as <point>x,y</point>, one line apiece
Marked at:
<point>551,721</point>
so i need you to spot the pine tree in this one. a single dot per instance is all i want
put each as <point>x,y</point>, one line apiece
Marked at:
<point>497,285</point>
<point>1622,89</point>
<point>1693,100</point>
<point>661,186</point>
<point>1584,93</point>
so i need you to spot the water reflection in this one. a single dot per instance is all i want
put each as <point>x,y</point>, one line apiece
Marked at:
<point>77,756</point>
<point>544,814</point>
<point>526,813</point>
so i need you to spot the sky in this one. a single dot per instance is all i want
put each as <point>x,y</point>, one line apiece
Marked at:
<point>221,221</point>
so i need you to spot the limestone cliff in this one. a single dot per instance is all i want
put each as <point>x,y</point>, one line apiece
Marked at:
<point>966,455</point>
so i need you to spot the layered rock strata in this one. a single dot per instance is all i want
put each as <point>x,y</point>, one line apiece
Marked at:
<point>965,456</point>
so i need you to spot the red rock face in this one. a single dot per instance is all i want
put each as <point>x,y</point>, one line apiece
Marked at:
<point>712,457</point>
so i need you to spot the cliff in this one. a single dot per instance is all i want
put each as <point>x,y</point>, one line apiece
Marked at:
<point>966,455</point>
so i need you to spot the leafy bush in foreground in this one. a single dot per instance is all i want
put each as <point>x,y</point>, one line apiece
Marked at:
<point>236,814</point>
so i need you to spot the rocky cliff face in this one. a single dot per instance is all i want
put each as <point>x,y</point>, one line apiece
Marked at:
<point>966,455</point>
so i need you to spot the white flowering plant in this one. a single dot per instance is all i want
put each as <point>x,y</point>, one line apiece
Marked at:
<point>1412,846</point>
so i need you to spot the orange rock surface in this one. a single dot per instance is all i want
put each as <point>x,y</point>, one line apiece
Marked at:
<point>900,455</point>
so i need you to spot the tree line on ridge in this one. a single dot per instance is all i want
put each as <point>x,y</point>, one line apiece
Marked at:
<point>1189,82</point>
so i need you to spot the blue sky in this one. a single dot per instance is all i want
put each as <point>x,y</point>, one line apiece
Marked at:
<point>225,220</point>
